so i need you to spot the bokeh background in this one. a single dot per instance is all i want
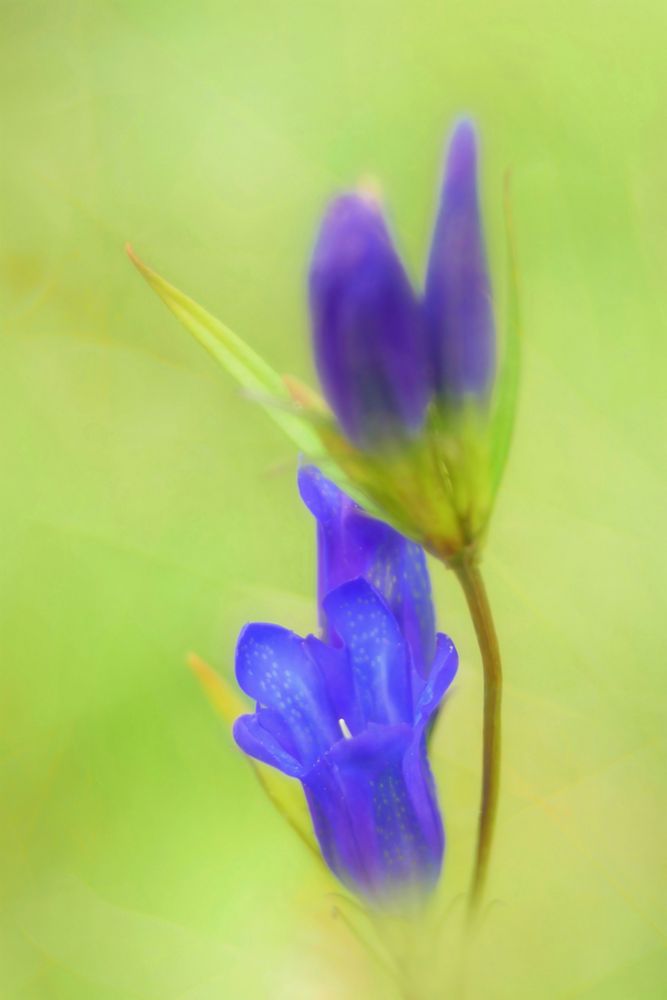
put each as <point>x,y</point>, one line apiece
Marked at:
<point>148,509</point>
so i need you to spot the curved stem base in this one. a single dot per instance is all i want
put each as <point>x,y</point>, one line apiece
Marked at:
<point>469,576</point>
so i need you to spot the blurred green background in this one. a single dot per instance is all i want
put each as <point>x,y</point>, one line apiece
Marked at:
<point>147,509</point>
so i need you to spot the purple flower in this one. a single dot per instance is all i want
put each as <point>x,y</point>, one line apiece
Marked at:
<point>352,544</point>
<point>347,714</point>
<point>368,333</point>
<point>382,356</point>
<point>457,300</point>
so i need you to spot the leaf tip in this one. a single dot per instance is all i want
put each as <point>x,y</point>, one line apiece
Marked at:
<point>144,269</point>
<point>129,250</point>
<point>221,695</point>
<point>304,397</point>
<point>195,662</point>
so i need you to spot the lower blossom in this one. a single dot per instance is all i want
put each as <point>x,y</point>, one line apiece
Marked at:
<point>347,716</point>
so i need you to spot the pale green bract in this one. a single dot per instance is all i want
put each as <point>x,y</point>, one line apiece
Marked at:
<point>366,477</point>
<point>250,370</point>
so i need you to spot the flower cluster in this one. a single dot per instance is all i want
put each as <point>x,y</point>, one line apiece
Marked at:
<point>418,426</point>
<point>410,379</point>
<point>381,354</point>
<point>347,714</point>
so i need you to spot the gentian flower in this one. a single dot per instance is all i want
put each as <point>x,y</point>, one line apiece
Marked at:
<point>411,380</point>
<point>368,332</point>
<point>351,544</point>
<point>380,356</point>
<point>347,714</point>
<point>420,411</point>
<point>457,298</point>
<point>423,422</point>
<point>419,419</point>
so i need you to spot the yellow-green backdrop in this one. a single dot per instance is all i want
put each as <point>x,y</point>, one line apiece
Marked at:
<point>147,509</point>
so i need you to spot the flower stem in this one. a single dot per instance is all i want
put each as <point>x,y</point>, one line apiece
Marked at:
<point>470,578</point>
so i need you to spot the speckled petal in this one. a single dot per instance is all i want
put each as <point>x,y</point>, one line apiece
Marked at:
<point>351,545</point>
<point>364,814</point>
<point>443,672</point>
<point>421,788</point>
<point>259,743</point>
<point>273,666</point>
<point>378,654</point>
<point>334,664</point>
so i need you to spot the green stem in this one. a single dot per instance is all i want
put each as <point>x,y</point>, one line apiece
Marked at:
<point>469,576</point>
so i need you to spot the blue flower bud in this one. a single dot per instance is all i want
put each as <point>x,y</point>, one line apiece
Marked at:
<point>348,716</point>
<point>369,341</point>
<point>457,301</point>
<point>352,544</point>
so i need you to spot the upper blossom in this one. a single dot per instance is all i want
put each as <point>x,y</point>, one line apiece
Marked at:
<point>347,716</point>
<point>368,333</point>
<point>381,356</point>
<point>457,299</point>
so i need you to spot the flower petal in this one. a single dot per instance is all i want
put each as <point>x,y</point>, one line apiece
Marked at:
<point>457,300</point>
<point>423,796</point>
<point>367,329</point>
<point>259,743</point>
<point>273,666</point>
<point>351,544</point>
<point>443,671</point>
<point>334,664</point>
<point>362,803</point>
<point>378,653</point>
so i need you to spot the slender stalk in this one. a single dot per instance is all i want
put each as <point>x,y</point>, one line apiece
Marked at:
<point>470,578</point>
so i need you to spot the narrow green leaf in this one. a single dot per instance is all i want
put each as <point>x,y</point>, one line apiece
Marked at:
<point>280,396</point>
<point>508,382</point>
<point>249,369</point>
<point>220,694</point>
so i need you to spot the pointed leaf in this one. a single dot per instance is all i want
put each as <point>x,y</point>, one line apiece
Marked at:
<point>221,695</point>
<point>244,364</point>
<point>296,409</point>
